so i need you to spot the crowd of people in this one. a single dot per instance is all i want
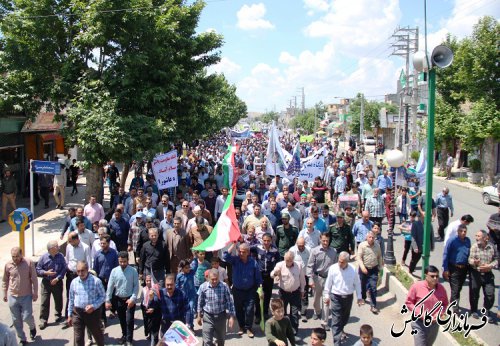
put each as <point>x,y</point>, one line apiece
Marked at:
<point>299,240</point>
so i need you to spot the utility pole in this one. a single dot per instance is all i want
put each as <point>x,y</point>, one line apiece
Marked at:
<point>405,43</point>
<point>303,101</point>
<point>414,104</point>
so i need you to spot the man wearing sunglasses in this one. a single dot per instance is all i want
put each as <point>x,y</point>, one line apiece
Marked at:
<point>420,289</point>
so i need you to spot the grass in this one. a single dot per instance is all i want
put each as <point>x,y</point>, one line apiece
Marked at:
<point>462,179</point>
<point>402,276</point>
<point>469,341</point>
<point>407,280</point>
<point>441,174</point>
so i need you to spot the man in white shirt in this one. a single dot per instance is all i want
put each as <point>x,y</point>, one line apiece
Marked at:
<point>301,256</point>
<point>219,203</point>
<point>93,210</point>
<point>291,283</point>
<point>341,282</point>
<point>86,236</point>
<point>310,235</point>
<point>75,251</point>
<point>96,245</point>
<point>451,230</point>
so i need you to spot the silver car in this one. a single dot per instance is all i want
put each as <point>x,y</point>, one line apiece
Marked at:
<point>490,194</point>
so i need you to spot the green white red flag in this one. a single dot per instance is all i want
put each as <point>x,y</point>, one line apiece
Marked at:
<point>226,229</point>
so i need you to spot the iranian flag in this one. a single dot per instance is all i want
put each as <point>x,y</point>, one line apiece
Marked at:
<point>228,167</point>
<point>226,229</point>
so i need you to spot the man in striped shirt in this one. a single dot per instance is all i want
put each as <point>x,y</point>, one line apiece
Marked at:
<point>215,305</point>
<point>86,299</point>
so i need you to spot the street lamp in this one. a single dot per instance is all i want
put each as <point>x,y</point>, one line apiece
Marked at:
<point>441,57</point>
<point>395,159</point>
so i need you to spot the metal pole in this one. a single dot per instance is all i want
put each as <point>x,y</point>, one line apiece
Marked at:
<point>32,206</point>
<point>429,172</point>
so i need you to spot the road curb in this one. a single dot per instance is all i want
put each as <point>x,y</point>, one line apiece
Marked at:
<point>468,186</point>
<point>443,338</point>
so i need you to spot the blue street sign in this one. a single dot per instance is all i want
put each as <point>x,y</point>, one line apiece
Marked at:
<point>47,167</point>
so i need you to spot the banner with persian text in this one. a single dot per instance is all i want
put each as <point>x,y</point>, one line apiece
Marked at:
<point>165,169</point>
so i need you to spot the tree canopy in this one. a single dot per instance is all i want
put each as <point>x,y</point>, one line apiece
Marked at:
<point>130,75</point>
<point>371,113</point>
<point>469,98</point>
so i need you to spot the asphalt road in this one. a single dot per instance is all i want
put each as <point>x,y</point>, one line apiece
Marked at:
<point>465,201</point>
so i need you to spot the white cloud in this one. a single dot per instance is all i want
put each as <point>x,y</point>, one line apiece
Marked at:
<point>355,26</point>
<point>316,5</point>
<point>252,17</point>
<point>225,66</point>
<point>464,16</point>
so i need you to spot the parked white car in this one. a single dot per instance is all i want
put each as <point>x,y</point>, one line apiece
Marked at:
<point>490,194</point>
<point>369,140</point>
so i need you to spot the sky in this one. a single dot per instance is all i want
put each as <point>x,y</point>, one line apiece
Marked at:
<point>331,48</point>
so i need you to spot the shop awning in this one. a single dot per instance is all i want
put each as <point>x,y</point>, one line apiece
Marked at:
<point>11,125</point>
<point>44,122</point>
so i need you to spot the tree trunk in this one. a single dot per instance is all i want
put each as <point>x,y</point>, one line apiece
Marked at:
<point>488,162</point>
<point>124,175</point>
<point>95,183</point>
<point>442,157</point>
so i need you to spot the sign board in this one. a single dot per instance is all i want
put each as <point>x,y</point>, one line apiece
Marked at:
<point>165,169</point>
<point>179,335</point>
<point>46,167</point>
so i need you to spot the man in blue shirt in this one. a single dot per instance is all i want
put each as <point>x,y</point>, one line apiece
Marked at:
<point>124,281</point>
<point>52,268</point>
<point>119,231</point>
<point>456,263</point>
<point>174,304</point>
<point>267,255</point>
<point>319,224</point>
<point>246,280</point>
<point>86,297</point>
<point>362,227</point>
<point>444,205</point>
<point>105,260</point>
<point>383,181</point>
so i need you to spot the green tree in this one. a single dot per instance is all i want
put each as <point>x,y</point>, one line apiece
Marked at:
<point>309,121</point>
<point>371,113</point>
<point>132,70</point>
<point>468,109</point>
<point>269,117</point>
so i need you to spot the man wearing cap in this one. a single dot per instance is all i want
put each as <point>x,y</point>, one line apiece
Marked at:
<point>9,193</point>
<point>341,236</point>
<point>286,234</point>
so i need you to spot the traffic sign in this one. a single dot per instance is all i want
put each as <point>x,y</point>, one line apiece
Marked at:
<point>47,167</point>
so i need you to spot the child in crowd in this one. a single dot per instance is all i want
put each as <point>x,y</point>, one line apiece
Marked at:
<point>215,261</point>
<point>185,283</point>
<point>406,231</point>
<point>151,310</point>
<point>278,329</point>
<point>318,337</point>
<point>366,336</point>
<point>199,276</point>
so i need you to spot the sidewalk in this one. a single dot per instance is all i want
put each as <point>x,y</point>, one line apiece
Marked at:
<point>48,224</point>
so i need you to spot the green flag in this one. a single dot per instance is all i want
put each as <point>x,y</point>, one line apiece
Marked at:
<point>402,79</point>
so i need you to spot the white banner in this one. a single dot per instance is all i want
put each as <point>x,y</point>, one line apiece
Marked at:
<point>165,169</point>
<point>313,166</point>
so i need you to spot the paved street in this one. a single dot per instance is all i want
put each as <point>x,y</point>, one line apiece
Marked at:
<point>49,223</point>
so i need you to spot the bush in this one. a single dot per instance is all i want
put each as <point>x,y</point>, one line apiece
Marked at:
<point>414,155</point>
<point>475,166</point>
